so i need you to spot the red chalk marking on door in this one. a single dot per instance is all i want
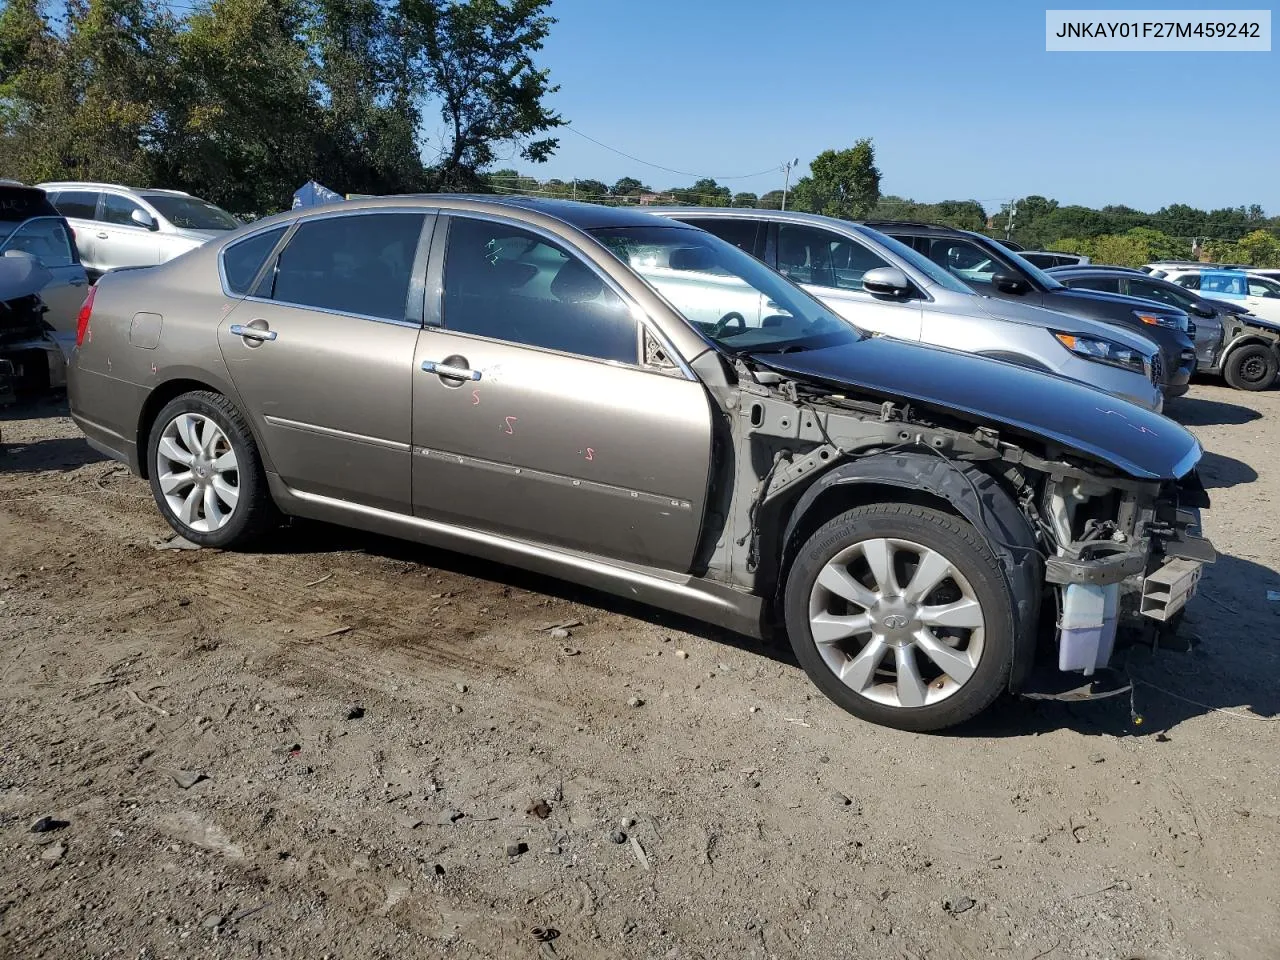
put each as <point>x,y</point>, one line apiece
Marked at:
<point>591,454</point>
<point>475,397</point>
<point>510,421</point>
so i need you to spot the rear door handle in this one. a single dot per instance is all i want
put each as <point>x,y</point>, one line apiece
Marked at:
<point>252,333</point>
<point>446,370</point>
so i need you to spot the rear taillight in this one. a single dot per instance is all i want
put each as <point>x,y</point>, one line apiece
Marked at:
<point>82,321</point>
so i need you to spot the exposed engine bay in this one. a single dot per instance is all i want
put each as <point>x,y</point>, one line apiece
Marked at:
<point>1101,551</point>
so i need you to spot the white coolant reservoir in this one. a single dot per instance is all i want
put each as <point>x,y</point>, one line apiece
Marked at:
<point>1087,630</point>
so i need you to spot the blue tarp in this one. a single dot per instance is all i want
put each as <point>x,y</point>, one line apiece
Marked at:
<point>312,194</point>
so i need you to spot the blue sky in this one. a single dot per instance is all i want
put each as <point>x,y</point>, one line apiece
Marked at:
<point>961,99</point>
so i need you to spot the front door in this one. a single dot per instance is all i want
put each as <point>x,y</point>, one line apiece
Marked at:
<point>534,416</point>
<point>323,357</point>
<point>830,266</point>
<point>119,241</point>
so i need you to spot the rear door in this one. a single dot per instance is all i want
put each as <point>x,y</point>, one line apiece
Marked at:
<point>831,266</point>
<point>534,414</point>
<point>80,207</point>
<point>322,352</point>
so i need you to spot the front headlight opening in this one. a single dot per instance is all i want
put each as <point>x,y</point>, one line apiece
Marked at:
<point>1155,320</point>
<point>1103,351</point>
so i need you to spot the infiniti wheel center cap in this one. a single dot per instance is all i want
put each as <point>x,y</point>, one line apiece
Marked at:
<point>895,619</point>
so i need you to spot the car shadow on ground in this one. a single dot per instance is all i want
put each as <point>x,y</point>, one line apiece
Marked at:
<point>1234,666</point>
<point>1198,412</point>
<point>1217,471</point>
<point>39,456</point>
<point>42,407</point>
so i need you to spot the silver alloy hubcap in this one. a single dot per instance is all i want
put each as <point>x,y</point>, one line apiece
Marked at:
<point>896,622</point>
<point>197,472</point>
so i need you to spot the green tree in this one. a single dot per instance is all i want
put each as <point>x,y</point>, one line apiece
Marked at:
<point>704,193</point>
<point>592,190</point>
<point>771,200</point>
<point>475,57</point>
<point>745,199</point>
<point>628,187</point>
<point>1260,249</point>
<point>841,183</point>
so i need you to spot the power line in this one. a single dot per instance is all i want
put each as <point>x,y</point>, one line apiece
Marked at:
<point>658,166</point>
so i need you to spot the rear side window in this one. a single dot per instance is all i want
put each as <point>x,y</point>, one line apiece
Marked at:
<point>359,264</point>
<point>509,284</point>
<point>242,261</point>
<point>46,239</point>
<point>741,233</point>
<point>77,203</point>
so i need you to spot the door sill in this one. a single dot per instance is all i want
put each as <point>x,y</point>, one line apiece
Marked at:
<point>677,592</point>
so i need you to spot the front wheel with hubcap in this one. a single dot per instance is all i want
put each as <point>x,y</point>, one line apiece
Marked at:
<point>902,616</point>
<point>206,474</point>
<point>1251,367</point>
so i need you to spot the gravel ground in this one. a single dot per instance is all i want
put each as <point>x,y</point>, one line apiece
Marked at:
<point>354,747</point>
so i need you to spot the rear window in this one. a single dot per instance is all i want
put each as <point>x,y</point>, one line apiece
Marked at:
<point>22,203</point>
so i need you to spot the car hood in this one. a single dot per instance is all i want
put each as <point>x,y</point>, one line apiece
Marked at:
<point>1255,321</point>
<point>1056,320</point>
<point>1138,442</point>
<point>199,236</point>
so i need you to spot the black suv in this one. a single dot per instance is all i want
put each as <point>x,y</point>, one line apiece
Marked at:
<point>994,270</point>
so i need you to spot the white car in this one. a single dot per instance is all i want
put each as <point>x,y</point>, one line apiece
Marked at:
<point>119,226</point>
<point>1259,293</point>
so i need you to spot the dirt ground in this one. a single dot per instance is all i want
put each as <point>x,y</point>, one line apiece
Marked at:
<point>394,757</point>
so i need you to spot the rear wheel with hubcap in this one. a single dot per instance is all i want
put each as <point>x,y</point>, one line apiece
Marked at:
<point>205,472</point>
<point>902,616</point>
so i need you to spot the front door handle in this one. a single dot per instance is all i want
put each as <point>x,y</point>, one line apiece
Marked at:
<point>103,236</point>
<point>447,370</point>
<point>252,333</point>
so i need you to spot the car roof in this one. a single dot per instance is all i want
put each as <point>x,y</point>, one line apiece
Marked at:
<point>757,213</point>
<point>583,216</point>
<point>917,226</point>
<point>1082,269</point>
<point>92,185</point>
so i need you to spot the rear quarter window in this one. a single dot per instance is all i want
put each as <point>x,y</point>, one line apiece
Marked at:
<point>242,260</point>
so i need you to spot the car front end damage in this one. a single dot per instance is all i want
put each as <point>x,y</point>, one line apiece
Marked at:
<point>1091,553</point>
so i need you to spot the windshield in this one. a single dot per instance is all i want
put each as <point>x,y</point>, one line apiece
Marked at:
<point>922,263</point>
<point>191,213</point>
<point>729,295</point>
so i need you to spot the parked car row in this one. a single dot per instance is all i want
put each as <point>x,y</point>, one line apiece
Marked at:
<point>889,443</point>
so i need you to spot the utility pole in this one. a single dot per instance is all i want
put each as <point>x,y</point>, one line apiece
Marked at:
<point>1008,227</point>
<point>786,184</point>
<point>575,188</point>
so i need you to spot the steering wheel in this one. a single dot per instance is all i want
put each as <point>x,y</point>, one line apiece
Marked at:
<point>723,324</point>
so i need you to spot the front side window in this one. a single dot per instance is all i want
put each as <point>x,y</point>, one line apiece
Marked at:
<point>119,210</point>
<point>505,283</point>
<point>241,261</point>
<point>47,239</point>
<point>1263,288</point>
<point>82,204</point>
<point>823,258</point>
<point>1162,294</point>
<point>359,264</point>
<point>1102,284</point>
<point>720,290</point>
<point>1224,283</point>
<point>965,259</point>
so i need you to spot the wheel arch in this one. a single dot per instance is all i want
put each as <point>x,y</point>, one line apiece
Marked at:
<point>961,489</point>
<point>1246,340</point>
<point>181,382</point>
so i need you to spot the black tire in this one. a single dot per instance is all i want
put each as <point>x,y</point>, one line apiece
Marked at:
<point>255,514</point>
<point>1251,367</point>
<point>967,552</point>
